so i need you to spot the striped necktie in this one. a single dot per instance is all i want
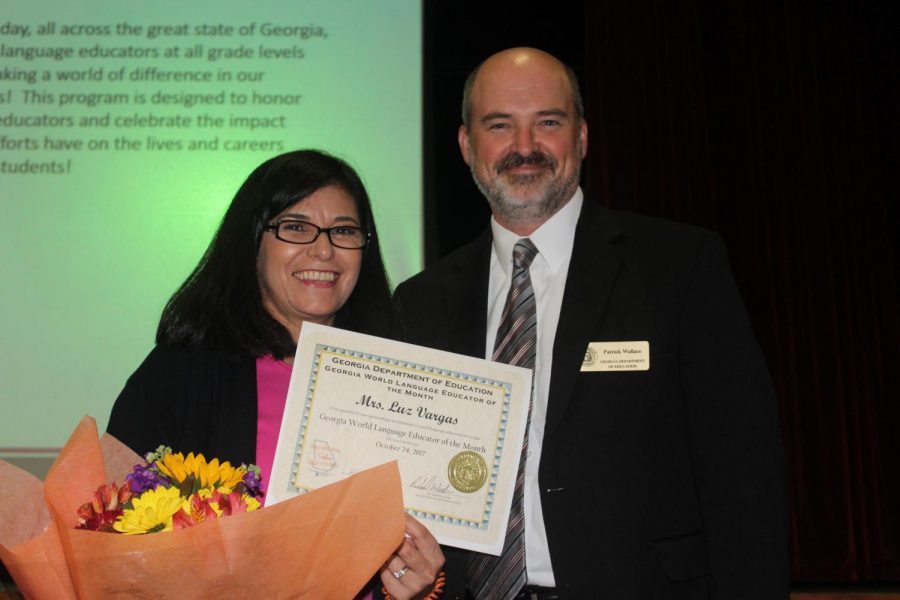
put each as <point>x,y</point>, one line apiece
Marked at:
<point>501,577</point>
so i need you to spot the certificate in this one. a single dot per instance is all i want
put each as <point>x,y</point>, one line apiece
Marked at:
<point>453,423</point>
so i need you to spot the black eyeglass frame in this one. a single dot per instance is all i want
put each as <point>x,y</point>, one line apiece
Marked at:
<point>276,229</point>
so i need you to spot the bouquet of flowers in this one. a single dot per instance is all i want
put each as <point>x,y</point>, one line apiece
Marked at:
<point>172,491</point>
<point>324,544</point>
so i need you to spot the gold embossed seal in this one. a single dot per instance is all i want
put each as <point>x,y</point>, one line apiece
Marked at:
<point>467,471</point>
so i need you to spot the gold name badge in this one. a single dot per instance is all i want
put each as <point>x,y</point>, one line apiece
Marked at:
<point>467,472</point>
<point>617,356</point>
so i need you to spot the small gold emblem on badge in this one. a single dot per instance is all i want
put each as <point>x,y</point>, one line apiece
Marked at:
<point>590,357</point>
<point>467,472</point>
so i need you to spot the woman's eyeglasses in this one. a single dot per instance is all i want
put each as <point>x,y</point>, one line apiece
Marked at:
<point>304,232</point>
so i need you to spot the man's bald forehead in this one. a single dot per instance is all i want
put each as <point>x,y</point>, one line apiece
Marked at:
<point>524,58</point>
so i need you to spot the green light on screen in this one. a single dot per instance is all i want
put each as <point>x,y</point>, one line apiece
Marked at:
<point>105,214</point>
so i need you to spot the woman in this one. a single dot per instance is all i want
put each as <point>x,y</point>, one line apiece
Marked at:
<point>297,244</point>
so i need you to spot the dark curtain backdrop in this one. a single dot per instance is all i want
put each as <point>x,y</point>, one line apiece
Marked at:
<point>777,124</point>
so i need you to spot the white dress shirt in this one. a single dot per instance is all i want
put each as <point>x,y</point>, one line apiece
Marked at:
<point>554,240</point>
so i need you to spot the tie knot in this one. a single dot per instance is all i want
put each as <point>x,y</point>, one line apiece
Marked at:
<point>524,253</point>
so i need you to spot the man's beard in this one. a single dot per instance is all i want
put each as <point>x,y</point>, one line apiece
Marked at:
<point>537,205</point>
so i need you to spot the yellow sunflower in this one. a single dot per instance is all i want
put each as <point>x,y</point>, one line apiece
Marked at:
<point>151,511</point>
<point>211,475</point>
<point>221,476</point>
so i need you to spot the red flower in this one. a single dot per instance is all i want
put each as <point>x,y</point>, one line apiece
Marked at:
<point>200,510</point>
<point>100,513</point>
<point>230,504</point>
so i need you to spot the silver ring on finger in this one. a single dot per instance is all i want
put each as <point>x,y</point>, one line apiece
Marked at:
<point>401,572</point>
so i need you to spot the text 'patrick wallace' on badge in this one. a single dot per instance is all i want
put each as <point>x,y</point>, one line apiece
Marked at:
<point>617,356</point>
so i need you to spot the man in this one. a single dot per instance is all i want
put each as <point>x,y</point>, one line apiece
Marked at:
<point>654,467</point>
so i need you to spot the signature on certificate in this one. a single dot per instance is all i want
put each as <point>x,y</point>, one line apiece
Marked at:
<point>431,483</point>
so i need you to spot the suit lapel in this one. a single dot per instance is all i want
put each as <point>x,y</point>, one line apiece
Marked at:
<point>466,298</point>
<point>592,274</point>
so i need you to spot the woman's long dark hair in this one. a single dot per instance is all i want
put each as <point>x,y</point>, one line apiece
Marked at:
<point>220,305</point>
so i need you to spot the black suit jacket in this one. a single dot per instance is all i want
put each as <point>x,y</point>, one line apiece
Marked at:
<point>666,483</point>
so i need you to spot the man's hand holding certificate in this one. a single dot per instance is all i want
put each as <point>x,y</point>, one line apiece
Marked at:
<point>453,423</point>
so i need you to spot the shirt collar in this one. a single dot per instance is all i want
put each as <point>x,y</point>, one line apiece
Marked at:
<point>554,239</point>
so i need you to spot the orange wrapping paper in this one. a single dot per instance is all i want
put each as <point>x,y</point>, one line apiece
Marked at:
<point>325,544</point>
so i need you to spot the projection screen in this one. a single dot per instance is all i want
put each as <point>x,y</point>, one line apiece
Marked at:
<point>127,127</point>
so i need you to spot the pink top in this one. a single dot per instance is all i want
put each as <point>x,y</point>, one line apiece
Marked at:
<point>272,380</point>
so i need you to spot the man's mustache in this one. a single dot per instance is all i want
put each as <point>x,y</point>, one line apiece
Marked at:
<point>535,159</point>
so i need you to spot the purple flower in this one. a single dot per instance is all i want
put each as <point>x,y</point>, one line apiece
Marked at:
<point>143,479</point>
<point>252,482</point>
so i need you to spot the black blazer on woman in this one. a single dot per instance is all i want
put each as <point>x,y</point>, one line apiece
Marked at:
<point>192,399</point>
